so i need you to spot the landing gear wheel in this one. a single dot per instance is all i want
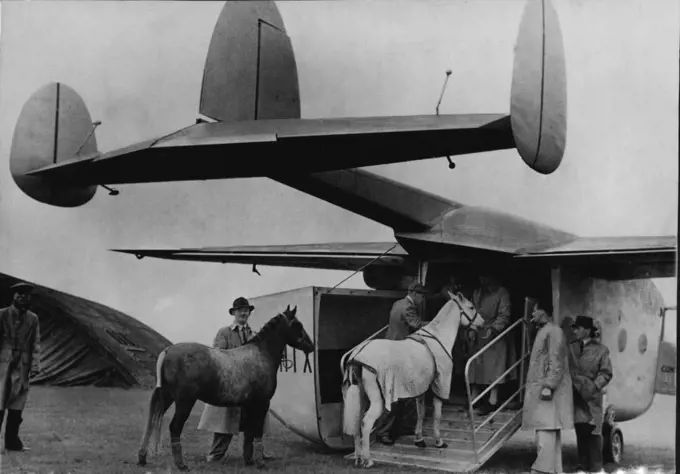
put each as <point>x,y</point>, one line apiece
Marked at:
<point>613,446</point>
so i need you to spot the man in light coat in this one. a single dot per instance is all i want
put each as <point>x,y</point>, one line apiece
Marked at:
<point>19,359</point>
<point>548,400</point>
<point>405,319</point>
<point>225,422</point>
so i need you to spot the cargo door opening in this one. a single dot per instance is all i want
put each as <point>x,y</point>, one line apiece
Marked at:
<point>344,319</point>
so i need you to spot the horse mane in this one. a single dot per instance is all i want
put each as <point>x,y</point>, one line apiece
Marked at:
<point>266,329</point>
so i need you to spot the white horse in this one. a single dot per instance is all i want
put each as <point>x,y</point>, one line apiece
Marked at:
<point>403,369</point>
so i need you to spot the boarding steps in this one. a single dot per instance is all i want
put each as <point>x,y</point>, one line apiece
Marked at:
<point>468,449</point>
<point>456,431</point>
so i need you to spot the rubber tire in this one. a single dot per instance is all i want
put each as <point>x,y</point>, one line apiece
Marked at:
<point>613,446</point>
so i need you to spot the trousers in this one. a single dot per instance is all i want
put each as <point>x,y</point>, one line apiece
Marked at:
<point>549,452</point>
<point>589,447</point>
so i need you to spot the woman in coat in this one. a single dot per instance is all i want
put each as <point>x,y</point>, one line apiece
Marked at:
<point>591,372</point>
<point>493,302</point>
<point>548,401</point>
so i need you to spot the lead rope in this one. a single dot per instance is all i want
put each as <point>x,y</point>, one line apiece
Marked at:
<point>360,269</point>
<point>369,263</point>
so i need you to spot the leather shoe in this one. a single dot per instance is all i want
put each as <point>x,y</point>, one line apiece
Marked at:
<point>486,408</point>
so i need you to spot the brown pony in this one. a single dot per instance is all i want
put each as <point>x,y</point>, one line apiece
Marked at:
<point>241,377</point>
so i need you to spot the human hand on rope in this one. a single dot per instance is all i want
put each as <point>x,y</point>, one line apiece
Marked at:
<point>471,336</point>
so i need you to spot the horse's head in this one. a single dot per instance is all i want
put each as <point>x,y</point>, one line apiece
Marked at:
<point>296,336</point>
<point>469,316</point>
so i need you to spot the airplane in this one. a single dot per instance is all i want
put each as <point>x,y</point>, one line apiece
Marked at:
<point>250,108</point>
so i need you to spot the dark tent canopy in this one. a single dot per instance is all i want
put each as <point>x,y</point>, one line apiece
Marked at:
<point>86,343</point>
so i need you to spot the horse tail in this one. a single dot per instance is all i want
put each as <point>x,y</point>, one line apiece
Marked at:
<point>351,423</point>
<point>154,419</point>
<point>159,367</point>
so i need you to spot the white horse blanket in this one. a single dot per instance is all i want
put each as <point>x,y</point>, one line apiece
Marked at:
<point>403,368</point>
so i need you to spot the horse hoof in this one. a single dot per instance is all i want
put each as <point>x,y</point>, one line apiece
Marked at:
<point>420,443</point>
<point>441,446</point>
<point>368,463</point>
<point>183,467</point>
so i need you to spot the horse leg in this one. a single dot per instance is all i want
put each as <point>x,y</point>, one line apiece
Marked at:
<point>436,422</point>
<point>183,407</point>
<point>352,398</point>
<point>161,401</point>
<point>358,458</point>
<point>420,409</point>
<point>374,411</point>
<point>252,439</point>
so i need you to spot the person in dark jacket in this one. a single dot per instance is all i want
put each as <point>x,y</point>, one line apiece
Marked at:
<point>405,319</point>
<point>591,372</point>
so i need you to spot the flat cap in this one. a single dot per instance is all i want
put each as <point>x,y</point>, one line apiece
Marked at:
<point>417,287</point>
<point>22,286</point>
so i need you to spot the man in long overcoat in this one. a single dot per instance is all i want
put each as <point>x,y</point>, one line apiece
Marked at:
<point>548,401</point>
<point>591,372</point>
<point>225,422</point>
<point>19,359</point>
<point>493,302</point>
<point>405,319</point>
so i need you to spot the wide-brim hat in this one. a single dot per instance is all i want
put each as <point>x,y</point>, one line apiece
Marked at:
<point>585,322</point>
<point>22,287</point>
<point>240,303</point>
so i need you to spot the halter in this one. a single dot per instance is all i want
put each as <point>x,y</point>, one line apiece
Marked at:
<point>469,329</point>
<point>287,363</point>
<point>462,312</point>
<point>432,336</point>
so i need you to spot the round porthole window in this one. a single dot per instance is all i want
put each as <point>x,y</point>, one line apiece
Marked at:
<point>623,339</point>
<point>642,343</point>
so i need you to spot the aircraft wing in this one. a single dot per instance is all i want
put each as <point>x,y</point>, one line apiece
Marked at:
<point>616,257</point>
<point>266,148</point>
<point>329,256</point>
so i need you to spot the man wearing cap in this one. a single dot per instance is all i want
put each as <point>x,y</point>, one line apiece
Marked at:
<point>225,422</point>
<point>548,400</point>
<point>405,319</point>
<point>591,372</point>
<point>19,360</point>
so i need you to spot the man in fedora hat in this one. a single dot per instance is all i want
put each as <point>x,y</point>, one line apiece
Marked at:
<point>405,319</point>
<point>19,359</point>
<point>591,372</point>
<point>225,422</point>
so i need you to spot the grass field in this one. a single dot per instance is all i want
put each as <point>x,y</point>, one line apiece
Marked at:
<point>93,430</point>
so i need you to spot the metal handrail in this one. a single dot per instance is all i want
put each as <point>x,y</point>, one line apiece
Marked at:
<point>482,351</point>
<point>490,417</point>
<point>472,402</point>
<point>372,336</point>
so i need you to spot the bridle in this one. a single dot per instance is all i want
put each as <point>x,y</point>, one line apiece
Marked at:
<point>299,341</point>
<point>469,328</point>
<point>462,311</point>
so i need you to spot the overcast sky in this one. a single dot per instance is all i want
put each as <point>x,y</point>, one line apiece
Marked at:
<point>138,66</point>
